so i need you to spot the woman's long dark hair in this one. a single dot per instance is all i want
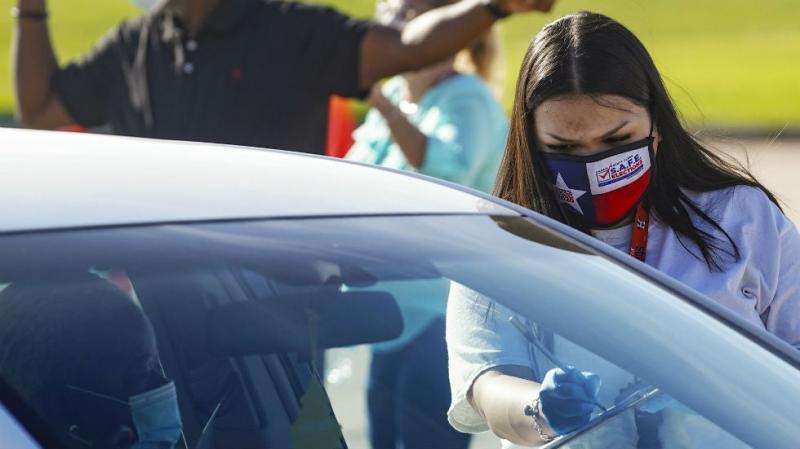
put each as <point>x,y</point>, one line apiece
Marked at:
<point>588,53</point>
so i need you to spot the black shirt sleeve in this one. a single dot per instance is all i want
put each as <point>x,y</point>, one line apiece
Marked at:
<point>330,47</point>
<point>85,85</point>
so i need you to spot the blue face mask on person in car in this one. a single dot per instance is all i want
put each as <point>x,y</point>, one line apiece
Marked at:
<point>156,418</point>
<point>155,414</point>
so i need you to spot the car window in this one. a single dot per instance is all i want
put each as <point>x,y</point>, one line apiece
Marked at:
<point>634,413</point>
<point>236,314</point>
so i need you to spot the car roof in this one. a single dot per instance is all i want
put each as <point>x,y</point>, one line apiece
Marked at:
<point>54,180</point>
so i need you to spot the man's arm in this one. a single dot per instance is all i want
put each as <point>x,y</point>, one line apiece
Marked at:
<point>34,63</point>
<point>431,37</point>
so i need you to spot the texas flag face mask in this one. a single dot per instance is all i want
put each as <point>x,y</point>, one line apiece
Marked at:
<point>603,188</point>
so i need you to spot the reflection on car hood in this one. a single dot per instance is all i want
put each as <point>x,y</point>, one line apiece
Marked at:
<point>63,180</point>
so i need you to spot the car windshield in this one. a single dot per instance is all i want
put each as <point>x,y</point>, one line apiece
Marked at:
<point>194,282</point>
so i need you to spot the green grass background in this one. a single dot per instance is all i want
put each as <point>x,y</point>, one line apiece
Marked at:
<point>728,63</point>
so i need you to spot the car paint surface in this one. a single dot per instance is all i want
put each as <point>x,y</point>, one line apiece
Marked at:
<point>77,180</point>
<point>13,434</point>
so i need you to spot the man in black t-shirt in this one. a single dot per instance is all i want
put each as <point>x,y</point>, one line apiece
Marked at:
<point>248,72</point>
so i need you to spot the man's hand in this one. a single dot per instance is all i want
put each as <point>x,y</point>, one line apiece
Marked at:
<point>432,37</point>
<point>515,6</point>
<point>32,5</point>
<point>34,63</point>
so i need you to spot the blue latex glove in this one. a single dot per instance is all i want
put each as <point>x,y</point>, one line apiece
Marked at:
<point>567,398</point>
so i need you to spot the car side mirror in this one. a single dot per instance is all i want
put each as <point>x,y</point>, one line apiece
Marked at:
<point>299,322</point>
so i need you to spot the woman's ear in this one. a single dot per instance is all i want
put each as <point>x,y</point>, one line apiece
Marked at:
<point>657,138</point>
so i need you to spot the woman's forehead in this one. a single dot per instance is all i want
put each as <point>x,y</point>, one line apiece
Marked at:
<point>584,115</point>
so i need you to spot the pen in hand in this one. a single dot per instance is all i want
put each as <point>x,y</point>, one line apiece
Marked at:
<point>526,332</point>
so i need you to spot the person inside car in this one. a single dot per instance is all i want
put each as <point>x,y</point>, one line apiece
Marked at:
<point>83,355</point>
<point>596,143</point>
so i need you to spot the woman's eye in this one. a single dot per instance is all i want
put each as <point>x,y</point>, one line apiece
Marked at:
<point>561,146</point>
<point>617,139</point>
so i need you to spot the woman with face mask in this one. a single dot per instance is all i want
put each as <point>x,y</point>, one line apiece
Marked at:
<point>596,143</point>
<point>442,121</point>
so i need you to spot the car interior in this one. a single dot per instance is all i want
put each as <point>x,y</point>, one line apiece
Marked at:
<point>241,354</point>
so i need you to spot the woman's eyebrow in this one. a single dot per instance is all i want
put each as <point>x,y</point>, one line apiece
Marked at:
<point>606,135</point>
<point>616,128</point>
<point>554,136</point>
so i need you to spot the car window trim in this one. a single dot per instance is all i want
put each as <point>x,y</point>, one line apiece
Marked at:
<point>243,219</point>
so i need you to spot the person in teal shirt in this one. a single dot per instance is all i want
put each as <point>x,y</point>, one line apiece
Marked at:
<point>443,121</point>
<point>438,122</point>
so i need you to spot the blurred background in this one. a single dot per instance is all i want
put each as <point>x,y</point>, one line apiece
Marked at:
<point>732,66</point>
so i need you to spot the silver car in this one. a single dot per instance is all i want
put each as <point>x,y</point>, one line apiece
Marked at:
<point>247,263</point>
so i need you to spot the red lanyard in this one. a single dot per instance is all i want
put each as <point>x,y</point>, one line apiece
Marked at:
<point>641,222</point>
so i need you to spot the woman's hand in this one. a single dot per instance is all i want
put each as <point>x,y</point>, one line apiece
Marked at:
<point>410,140</point>
<point>567,398</point>
<point>388,110</point>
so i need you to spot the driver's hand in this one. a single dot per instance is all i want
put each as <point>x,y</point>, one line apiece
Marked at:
<point>567,398</point>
